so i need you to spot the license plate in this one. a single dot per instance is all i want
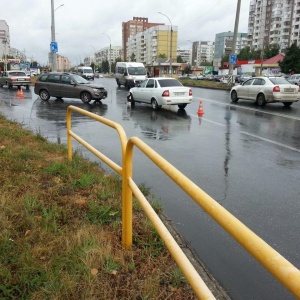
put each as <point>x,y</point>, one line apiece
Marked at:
<point>179,93</point>
<point>289,90</point>
<point>21,79</point>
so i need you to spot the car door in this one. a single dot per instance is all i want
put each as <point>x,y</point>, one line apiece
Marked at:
<point>53,85</point>
<point>67,89</point>
<point>149,90</point>
<point>254,88</point>
<point>243,91</point>
<point>138,92</point>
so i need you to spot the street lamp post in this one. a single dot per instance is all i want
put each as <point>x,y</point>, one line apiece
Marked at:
<point>94,58</point>
<point>171,42</point>
<point>53,54</point>
<point>4,41</point>
<point>235,33</point>
<point>109,53</point>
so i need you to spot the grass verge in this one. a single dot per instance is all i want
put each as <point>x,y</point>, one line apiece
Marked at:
<point>60,229</point>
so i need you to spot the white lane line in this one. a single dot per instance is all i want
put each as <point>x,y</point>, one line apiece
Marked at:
<point>270,141</point>
<point>208,120</point>
<point>251,109</point>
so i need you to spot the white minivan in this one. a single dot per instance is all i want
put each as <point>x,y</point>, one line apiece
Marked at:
<point>130,74</point>
<point>86,72</point>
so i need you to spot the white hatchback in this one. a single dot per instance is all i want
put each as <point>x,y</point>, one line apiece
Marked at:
<point>263,90</point>
<point>160,91</point>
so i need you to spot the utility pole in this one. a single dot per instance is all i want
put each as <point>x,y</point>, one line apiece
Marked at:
<point>235,33</point>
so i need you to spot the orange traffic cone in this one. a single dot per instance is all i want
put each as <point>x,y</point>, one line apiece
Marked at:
<point>200,109</point>
<point>18,92</point>
<point>21,95</point>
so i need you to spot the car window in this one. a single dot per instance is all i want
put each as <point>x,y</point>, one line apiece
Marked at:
<point>143,83</point>
<point>43,78</point>
<point>65,79</point>
<point>169,82</point>
<point>258,81</point>
<point>17,74</point>
<point>54,78</point>
<point>279,80</point>
<point>248,82</point>
<point>79,79</point>
<point>150,83</point>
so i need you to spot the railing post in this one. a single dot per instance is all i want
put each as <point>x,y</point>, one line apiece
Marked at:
<point>70,151</point>
<point>127,198</point>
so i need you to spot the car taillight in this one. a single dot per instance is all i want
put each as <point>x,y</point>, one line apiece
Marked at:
<point>13,79</point>
<point>166,93</point>
<point>276,88</point>
<point>190,92</point>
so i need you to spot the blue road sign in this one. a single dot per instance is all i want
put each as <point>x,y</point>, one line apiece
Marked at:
<point>54,47</point>
<point>232,59</point>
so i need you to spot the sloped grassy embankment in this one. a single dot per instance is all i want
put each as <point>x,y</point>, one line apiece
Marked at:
<point>60,229</point>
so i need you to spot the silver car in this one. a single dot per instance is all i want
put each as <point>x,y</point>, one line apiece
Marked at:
<point>263,90</point>
<point>294,79</point>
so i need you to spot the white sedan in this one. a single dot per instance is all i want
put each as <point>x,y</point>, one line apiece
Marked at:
<point>160,91</point>
<point>263,90</point>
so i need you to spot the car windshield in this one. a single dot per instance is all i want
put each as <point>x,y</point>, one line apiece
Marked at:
<point>279,80</point>
<point>87,71</point>
<point>169,82</point>
<point>136,71</point>
<point>80,79</point>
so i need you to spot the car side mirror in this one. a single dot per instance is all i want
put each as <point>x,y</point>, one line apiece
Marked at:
<point>125,74</point>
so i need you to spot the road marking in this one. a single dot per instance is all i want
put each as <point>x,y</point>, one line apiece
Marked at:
<point>208,120</point>
<point>251,109</point>
<point>270,141</point>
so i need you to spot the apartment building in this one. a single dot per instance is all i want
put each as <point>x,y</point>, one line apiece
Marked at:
<point>273,22</point>
<point>202,51</point>
<point>154,42</point>
<point>133,27</point>
<point>107,54</point>
<point>223,46</point>
<point>62,63</point>
<point>4,38</point>
<point>185,54</point>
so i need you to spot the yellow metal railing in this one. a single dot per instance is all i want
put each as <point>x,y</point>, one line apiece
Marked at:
<point>277,265</point>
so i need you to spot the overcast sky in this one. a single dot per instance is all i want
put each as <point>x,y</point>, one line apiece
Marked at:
<point>80,24</point>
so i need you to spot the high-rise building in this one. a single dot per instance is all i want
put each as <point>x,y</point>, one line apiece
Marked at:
<point>185,54</point>
<point>202,51</point>
<point>105,54</point>
<point>153,43</point>
<point>223,46</point>
<point>273,22</point>
<point>4,38</point>
<point>131,28</point>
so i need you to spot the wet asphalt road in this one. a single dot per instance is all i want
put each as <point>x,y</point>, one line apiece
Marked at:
<point>246,158</point>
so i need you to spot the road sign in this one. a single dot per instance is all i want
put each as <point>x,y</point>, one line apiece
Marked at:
<point>232,59</point>
<point>53,46</point>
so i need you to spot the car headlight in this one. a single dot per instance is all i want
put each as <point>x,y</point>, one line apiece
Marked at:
<point>96,90</point>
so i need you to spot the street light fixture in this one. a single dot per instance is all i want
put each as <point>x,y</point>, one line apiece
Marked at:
<point>170,71</point>
<point>109,53</point>
<point>53,54</point>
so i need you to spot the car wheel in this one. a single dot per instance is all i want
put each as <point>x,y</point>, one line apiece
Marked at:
<point>287,104</point>
<point>127,85</point>
<point>234,97</point>
<point>155,105</point>
<point>85,97</point>
<point>44,95</point>
<point>27,87</point>
<point>261,100</point>
<point>182,106</point>
<point>131,99</point>
<point>118,83</point>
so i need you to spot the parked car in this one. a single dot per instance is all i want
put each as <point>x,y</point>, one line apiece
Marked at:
<point>263,90</point>
<point>294,79</point>
<point>244,77</point>
<point>67,85</point>
<point>160,91</point>
<point>15,78</point>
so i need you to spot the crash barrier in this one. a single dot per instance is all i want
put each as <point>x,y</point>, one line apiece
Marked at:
<point>278,266</point>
